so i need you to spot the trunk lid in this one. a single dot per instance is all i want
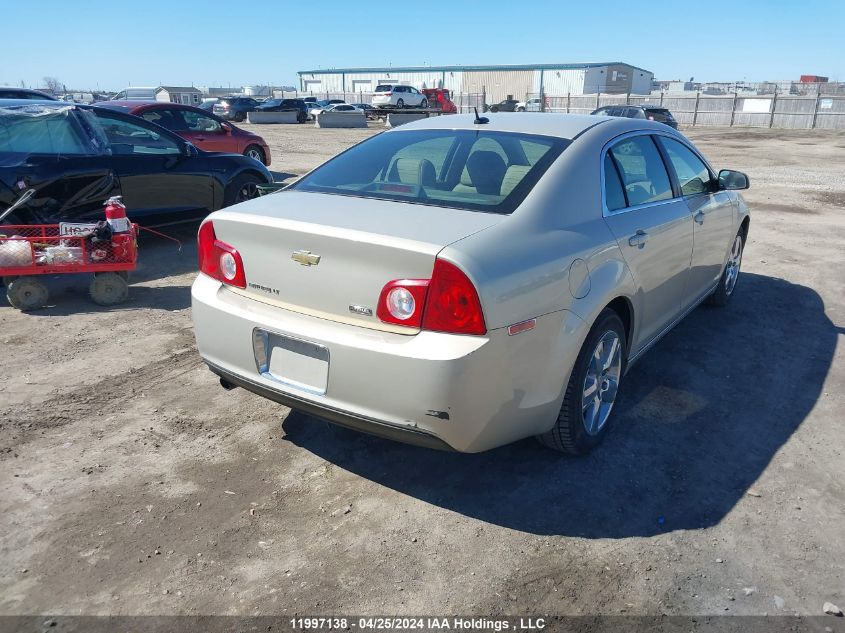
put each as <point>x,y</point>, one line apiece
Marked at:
<point>330,256</point>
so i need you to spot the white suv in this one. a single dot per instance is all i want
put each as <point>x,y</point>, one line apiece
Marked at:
<point>398,96</point>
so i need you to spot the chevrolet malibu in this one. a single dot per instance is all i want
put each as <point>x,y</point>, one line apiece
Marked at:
<point>464,282</point>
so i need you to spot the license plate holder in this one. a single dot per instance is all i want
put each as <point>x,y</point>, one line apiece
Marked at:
<point>291,361</point>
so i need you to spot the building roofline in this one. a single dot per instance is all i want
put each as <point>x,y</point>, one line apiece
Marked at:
<point>405,69</point>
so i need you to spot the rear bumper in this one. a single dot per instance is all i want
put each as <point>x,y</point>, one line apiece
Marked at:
<point>467,393</point>
<point>336,416</point>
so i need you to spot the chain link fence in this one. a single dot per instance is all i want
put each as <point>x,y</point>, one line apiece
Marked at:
<point>787,111</point>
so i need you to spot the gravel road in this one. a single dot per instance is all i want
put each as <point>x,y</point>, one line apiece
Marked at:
<point>131,483</point>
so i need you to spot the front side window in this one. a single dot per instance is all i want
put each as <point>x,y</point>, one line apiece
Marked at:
<point>641,168</point>
<point>693,175</point>
<point>197,122</point>
<point>132,138</point>
<point>461,169</point>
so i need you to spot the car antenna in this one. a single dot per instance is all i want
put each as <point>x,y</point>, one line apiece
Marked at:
<point>480,119</point>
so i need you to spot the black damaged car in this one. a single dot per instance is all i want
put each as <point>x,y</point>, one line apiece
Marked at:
<point>75,157</point>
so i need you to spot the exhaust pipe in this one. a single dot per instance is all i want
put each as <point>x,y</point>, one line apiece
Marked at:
<point>228,386</point>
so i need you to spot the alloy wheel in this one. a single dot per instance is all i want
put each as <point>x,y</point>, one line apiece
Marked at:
<point>601,383</point>
<point>733,265</point>
<point>247,192</point>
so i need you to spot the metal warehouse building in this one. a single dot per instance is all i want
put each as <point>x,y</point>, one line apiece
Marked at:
<point>496,81</point>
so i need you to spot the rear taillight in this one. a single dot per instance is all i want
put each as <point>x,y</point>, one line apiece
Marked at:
<point>402,302</point>
<point>218,259</point>
<point>448,302</point>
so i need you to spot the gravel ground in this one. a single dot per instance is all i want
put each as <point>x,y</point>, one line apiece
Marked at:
<point>131,483</point>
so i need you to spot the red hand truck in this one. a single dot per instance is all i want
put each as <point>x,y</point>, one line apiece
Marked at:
<point>29,251</point>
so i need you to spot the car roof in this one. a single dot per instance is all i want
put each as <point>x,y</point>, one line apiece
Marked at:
<point>566,126</point>
<point>29,91</point>
<point>50,103</point>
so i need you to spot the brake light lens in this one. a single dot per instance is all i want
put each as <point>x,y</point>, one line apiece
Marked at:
<point>219,260</point>
<point>448,302</point>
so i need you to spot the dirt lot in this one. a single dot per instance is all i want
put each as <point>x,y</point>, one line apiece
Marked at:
<point>131,483</point>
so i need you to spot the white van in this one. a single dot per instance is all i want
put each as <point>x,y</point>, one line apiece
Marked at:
<point>136,94</point>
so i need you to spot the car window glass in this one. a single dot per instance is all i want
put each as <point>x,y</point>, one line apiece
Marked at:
<point>643,173</point>
<point>614,195</point>
<point>462,169</point>
<point>383,88</point>
<point>46,132</point>
<point>132,138</point>
<point>197,122</point>
<point>693,175</point>
<point>170,119</point>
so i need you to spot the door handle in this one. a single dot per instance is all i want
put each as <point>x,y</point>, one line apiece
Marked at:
<point>638,239</point>
<point>699,217</point>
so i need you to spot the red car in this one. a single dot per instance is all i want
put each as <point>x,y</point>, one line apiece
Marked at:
<point>205,130</point>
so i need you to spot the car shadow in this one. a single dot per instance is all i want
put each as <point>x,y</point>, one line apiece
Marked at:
<point>699,419</point>
<point>281,176</point>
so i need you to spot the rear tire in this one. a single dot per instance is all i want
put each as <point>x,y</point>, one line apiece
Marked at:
<point>241,189</point>
<point>520,109</point>
<point>108,289</point>
<point>27,293</point>
<point>730,276</point>
<point>240,117</point>
<point>255,152</point>
<point>579,428</point>
<point>400,104</point>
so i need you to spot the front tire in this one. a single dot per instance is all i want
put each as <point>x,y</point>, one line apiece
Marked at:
<point>730,276</point>
<point>592,390</point>
<point>256,153</point>
<point>424,104</point>
<point>241,189</point>
<point>108,289</point>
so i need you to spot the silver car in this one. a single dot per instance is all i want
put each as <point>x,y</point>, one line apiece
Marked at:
<point>464,282</point>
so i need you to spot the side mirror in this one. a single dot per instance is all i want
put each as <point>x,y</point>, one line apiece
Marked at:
<point>190,149</point>
<point>732,180</point>
<point>227,127</point>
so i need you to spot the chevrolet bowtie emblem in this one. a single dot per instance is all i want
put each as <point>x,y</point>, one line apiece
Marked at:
<point>306,258</point>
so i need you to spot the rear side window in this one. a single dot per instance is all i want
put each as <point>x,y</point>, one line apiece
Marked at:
<point>644,176</point>
<point>614,195</point>
<point>693,175</point>
<point>39,130</point>
<point>461,169</point>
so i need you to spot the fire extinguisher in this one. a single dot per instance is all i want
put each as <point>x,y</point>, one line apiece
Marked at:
<point>122,240</point>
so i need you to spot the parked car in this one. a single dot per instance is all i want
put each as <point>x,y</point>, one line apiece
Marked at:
<point>335,107</point>
<point>77,156</point>
<point>439,99</point>
<point>208,104</point>
<point>463,283</point>
<point>505,105</point>
<point>398,96</point>
<point>318,106</point>
<point>645,111</point>
<point>205,130</point>
<point>234,108</point>
<point>136,94</point>
<point>532,105</point>
<point>24,93</point>
<point>283,105</point>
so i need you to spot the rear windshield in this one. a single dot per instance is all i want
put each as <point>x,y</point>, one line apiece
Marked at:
<point>461,169</point>
<point>384,88</point>
<point>659,111</point>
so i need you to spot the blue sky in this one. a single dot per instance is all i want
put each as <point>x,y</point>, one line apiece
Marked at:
<point>205,42</point>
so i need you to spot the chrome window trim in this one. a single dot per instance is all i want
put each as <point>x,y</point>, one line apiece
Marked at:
<point>605,212</point>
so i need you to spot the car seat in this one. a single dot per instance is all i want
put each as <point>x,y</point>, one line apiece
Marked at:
<point>484,173</point>
<point>413,171</point>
